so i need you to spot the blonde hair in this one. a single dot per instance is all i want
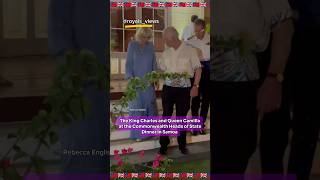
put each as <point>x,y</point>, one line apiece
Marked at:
<point>143,32</point>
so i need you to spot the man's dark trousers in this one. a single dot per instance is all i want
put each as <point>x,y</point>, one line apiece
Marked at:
<point>180,97</point>
<point>234,122</point>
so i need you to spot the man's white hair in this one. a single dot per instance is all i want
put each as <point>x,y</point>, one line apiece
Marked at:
<point>171,32</point>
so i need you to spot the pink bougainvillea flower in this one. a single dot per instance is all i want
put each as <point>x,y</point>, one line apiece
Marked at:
<point>130,150</point>
<point>141,153</point>
<point>116,152</point>
<point>159,157</point>
<point>120,163</point>
<point>117,157</point>
<point>114,121</point>
<point>155,164</point>
<point>124,151</point>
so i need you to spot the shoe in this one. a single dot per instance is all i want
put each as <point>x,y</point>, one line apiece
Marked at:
<point>194,133</point>
<point>184,151</point>
<point>163,151</point>
<point>203,132</point>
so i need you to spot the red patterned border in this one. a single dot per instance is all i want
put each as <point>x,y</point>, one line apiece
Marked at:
<point>158,4</point>
<point>160,175</point>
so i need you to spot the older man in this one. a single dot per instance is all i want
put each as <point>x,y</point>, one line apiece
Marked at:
<point>178,58</point>
<point>74,25</point>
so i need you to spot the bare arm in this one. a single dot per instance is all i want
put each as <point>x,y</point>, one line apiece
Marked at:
<point>270,93</point>
<point>195,88</point>
<point>281,46</point>
<point>197,76</point>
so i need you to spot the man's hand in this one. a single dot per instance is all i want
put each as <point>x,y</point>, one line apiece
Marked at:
<point>194,92</point>
<point>269,96</point>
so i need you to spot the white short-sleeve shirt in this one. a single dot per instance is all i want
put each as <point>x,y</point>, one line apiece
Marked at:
<point>188,31</point>
<point>181,60</point>
<point>202,44</point>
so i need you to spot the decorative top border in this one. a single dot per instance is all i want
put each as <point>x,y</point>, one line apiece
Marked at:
<point>158,4</point>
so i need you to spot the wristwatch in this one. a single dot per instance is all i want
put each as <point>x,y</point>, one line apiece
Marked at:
<point>277,76</point>
<point>196,85</point>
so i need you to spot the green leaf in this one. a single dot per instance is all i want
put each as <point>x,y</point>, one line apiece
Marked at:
<point>165,162</point>
<point>113,168</point>
<point>36,124</point>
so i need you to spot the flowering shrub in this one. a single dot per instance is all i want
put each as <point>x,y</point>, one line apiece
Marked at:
<point>159,164</point>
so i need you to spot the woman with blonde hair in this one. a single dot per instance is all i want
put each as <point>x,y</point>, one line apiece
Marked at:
<point>141,59</point>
